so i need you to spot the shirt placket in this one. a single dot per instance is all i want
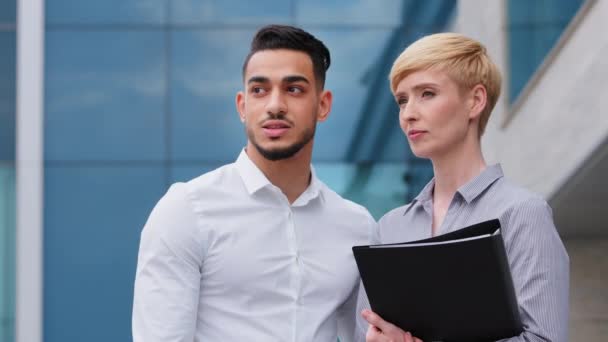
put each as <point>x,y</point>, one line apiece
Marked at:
<point>295,268</point>
<point>454,211</point>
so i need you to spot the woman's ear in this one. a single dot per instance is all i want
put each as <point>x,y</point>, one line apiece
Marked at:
<point>478,100</point>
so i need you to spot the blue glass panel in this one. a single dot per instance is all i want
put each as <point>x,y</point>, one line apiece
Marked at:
<point>230,11</point>
<point>379,187</point>
<point>521,58</point>
<point>92,220</point>
<point>545,39</point>
<point>534,27</point>
<point>7,95</point>
<point>557,11</point>
<point>184,173</point>
<point>7,251</point>
<point>520,11</point>
<point>346,78</point>
<point>105,95</point>
<point>542,12</point>
<point>8,11</point>
<point>350,12</point>
<point>396,148</point>
<point>106,12</point>
<point>206,75</point>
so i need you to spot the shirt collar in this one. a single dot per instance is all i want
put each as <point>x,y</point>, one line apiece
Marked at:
<point>254,179</point>
<point>312,191</point>
<point>479,184</point>
<point>469,191</point>
<point>426,194</point>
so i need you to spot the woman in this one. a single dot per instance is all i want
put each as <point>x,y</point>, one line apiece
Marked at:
<point>446,87</point>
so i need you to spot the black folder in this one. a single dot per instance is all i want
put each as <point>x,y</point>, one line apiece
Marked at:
<point>452,287</point>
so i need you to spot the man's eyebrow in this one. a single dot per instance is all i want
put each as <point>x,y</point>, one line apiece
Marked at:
<point>258,79</point>
<point>295,78</point>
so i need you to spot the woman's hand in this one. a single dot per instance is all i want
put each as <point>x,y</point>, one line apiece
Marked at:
<point>382,331</point>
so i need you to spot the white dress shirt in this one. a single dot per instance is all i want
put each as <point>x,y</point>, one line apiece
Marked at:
<point>225,257</point>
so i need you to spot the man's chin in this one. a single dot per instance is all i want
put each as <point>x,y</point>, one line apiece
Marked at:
<point>276,153</point>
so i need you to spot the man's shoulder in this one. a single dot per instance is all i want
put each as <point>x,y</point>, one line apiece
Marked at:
<point>209,186</point>
<point>335,201</point>
<point>397,213</point>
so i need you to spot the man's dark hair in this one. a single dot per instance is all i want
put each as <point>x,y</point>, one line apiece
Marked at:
<point>273,37</point>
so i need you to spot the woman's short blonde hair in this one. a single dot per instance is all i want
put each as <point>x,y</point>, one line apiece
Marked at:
<point>465,60</point>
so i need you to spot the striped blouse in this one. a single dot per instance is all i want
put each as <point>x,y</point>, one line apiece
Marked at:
<point>537,257</point>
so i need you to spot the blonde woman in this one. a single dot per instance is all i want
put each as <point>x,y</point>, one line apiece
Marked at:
<point>446,87</point>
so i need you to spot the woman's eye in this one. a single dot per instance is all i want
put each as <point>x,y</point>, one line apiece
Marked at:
<point>428,93</point>
<point>401,101</point>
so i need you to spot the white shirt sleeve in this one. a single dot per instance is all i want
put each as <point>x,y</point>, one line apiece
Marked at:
<point>167,281</point>
<point>346,317</point>
<point>360,325</point>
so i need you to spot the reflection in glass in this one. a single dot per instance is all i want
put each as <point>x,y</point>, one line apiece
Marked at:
<point>7,96</point>
<point>258,12</point>
<point>105,95</point>
<point>8,11</point>
<point>106,12</point>
<point>182,172</point>
<point>93,217</point>
<point>206,75</point>
<point>534,28</point>
<point>379,187</point>
<point>349,12</point>
<point>7,251</point>
<point>354,53</point>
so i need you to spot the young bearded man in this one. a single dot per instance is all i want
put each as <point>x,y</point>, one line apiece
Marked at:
<point>257,250</point>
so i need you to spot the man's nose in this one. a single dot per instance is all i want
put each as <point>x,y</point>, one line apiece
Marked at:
<point>276,103</point>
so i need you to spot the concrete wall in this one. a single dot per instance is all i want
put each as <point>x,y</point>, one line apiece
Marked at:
<point>552,134</point>
<point>588,289</point>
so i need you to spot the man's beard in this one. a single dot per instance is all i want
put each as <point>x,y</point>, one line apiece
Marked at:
<point>280,153</point>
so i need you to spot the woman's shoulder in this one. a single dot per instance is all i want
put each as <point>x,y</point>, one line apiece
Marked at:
<point>510,195</point>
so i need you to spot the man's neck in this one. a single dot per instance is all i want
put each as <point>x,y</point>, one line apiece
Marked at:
<point>291,175</point>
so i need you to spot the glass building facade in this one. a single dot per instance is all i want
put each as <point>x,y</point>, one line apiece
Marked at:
<point>533,29</point>
<point>140,94</point>
<point>7,168</point>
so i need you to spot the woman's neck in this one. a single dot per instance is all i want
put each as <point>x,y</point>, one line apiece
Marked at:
<point>456,168</point>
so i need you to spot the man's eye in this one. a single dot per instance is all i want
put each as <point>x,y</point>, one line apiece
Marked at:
<point>294,90</point>
<point>257,90</point>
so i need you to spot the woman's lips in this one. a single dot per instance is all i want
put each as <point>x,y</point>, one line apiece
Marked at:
<point>415,134</point>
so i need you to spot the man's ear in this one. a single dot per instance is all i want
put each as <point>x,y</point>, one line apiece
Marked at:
<point>478,100</point>
<point>240,105</point>
<point>325,100</point>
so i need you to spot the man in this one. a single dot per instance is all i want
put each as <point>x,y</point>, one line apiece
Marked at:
<point>258,250</point>
<point>446,86</point>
